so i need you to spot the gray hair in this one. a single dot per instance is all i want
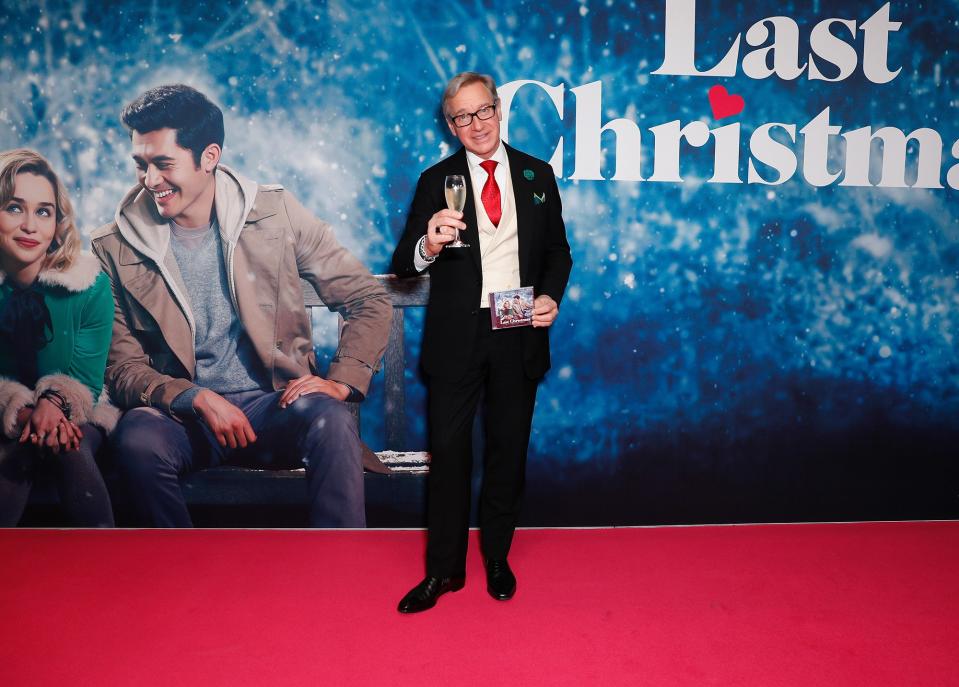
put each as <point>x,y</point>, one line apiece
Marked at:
<point>465,79</point>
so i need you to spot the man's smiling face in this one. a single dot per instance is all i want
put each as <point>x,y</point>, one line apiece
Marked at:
<point>181,190</point>
<point>480,136</point>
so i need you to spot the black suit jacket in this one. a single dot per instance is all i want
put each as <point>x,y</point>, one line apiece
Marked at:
<point>456,275</point>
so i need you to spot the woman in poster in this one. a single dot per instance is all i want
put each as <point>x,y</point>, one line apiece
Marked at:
<point>56,316</point>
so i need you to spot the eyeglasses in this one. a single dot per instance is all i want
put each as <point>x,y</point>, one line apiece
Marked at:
<point>483,113</point>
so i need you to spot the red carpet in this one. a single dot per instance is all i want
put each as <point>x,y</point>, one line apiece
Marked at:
<point>838,605</point>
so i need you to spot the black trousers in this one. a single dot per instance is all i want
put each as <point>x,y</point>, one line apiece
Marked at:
<point>495,372</point>
<point>83,494</point>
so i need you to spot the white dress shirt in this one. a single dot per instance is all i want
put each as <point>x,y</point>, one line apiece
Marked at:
<point>478,178</point>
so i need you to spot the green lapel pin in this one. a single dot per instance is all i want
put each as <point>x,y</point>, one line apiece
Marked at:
<point>528,173</point>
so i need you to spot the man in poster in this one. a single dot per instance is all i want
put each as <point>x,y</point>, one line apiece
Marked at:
<point>513,225</point>
<point>212,354</point>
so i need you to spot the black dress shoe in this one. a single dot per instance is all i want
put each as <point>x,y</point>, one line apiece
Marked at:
<point>500,581</point>
<point>424,595</point>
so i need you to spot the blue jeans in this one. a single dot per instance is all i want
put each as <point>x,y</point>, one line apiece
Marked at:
<point>317,432</point>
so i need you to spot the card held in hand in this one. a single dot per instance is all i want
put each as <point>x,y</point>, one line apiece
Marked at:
<point>513,308</point>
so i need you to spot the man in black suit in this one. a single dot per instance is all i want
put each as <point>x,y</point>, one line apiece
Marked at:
<point>513,223</point>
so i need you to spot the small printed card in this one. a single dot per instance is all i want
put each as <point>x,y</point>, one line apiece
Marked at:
<point>513,308</point>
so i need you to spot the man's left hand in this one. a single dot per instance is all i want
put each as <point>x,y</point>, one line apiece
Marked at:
<point>310,384</point>
<point>545,311</point>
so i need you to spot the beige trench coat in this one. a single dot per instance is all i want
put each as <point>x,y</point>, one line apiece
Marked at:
<point>270,242</point>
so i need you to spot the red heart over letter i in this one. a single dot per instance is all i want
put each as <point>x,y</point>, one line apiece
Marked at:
<point>723,104</point>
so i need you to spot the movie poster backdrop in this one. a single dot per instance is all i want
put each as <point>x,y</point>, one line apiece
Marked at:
<point>762,200</point>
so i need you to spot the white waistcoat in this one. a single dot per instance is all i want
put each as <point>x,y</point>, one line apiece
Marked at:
<point>499,246</point>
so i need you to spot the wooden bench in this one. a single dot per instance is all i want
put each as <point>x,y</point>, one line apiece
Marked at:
<point>395,497</point>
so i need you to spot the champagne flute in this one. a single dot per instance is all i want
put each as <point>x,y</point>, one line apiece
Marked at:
<point>455,188</point>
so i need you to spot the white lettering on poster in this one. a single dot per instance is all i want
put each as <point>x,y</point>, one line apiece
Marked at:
<point>825,153</point>
<point>680,47</point>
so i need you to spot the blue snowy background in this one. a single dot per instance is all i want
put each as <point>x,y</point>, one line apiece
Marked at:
<point>723,352</point>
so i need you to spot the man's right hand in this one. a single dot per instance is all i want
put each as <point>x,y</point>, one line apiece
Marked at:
<point>229,424</point>
<point>441,229</point>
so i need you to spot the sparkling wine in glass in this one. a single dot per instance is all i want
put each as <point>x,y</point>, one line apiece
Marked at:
<point>455,188</point>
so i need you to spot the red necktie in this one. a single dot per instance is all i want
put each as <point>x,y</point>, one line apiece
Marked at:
<point>490,194</point>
